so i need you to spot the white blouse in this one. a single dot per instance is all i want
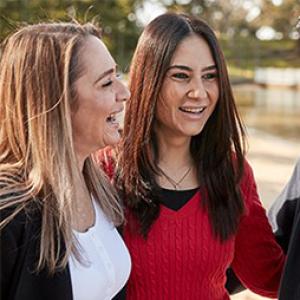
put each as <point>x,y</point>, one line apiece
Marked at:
<point>106,262</point>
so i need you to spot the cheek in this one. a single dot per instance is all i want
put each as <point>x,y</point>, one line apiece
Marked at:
<point>213,92</point>
<point>102,106</point>
<point>216,94</point>
<point>169,98</point>
<point>173,91</point>
<point>216,89</point>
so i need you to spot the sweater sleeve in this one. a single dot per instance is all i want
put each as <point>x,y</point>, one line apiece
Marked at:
<point>282,212</point>
<point>258,259</point>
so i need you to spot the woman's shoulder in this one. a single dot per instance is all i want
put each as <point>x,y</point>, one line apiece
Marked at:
<point>248,185</point>
<point>247,178</point>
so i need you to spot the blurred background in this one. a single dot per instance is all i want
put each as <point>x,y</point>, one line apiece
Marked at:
<point>262,49</point>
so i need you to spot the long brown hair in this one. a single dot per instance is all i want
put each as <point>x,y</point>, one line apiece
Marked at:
<point>39,66</point>
<point>217,151</point>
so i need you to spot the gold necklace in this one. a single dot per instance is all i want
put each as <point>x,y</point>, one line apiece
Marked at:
<point>173,182</point>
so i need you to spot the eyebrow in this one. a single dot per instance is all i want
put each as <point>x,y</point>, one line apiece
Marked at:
<point>186,68</point>
<point>108,72</point>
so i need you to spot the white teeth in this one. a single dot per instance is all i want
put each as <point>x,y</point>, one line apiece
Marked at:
<point>192,109</point>
<point>116,117</point>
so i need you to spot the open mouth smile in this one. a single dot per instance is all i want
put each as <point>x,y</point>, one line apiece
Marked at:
<point>192,110</point>
<point>115,117</point>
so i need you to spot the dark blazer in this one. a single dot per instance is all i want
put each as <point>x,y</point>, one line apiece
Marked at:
<point>285,218</point>
<point>19,252</point>
<point>290,283</point>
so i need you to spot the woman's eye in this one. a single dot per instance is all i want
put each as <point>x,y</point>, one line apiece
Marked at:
<point>210,76</point>
<point>180,76</point>
<point>108,83</point>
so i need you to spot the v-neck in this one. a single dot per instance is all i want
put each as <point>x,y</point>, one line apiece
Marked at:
<point>185,210</point>
<point>176,199</point>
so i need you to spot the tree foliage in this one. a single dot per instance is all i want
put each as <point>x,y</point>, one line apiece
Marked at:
<point>117,17</point>
<point>231,19</point>
<point>238,17</point>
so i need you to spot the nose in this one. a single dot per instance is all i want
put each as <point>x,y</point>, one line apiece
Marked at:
<point>197,90</point>
<point>123,92</point>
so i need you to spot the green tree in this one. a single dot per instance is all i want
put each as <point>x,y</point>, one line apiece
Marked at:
<point>117,18</point>
<point>282,18</point>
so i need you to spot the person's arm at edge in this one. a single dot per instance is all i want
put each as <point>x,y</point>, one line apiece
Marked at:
<point>282,212</point>
<point>258,260</point>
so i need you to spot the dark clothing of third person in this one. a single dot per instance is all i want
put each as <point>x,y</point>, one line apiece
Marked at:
<point>285,218</point>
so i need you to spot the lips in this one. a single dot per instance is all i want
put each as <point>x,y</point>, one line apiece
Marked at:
<point>192,110</point>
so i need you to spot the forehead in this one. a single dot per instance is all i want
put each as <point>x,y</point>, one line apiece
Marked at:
<point>193,51</point>
<point>95,56</point>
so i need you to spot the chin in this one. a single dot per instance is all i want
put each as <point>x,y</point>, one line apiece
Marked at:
<point>195,132</point>
<point>113,140</point>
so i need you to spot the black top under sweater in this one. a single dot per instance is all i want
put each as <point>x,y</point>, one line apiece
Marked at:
<point>175,199</point>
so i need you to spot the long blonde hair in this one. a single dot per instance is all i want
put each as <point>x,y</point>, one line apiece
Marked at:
<point>38,68</point>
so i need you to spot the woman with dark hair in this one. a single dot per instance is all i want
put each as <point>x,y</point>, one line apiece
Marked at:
<point>192,204</point>
<point>59,97</point>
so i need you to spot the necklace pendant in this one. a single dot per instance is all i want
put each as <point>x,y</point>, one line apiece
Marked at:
<point>175,184</point>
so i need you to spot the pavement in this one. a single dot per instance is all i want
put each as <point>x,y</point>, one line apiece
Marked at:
<point>272,159</point>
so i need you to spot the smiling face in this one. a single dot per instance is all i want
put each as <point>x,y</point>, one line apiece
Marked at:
<point>100,96</point>
<point>189,92</point>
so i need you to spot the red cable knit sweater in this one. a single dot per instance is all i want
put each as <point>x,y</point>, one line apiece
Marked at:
<point>181,260</point>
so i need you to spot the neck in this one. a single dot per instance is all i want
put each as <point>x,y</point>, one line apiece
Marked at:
<point>176,163</point>
<point>174,152</point>
<point>80,161</point>
<point>81,156</point>
<point>83,215</point>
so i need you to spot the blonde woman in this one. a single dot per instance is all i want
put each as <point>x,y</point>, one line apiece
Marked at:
<point>59,96</point>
